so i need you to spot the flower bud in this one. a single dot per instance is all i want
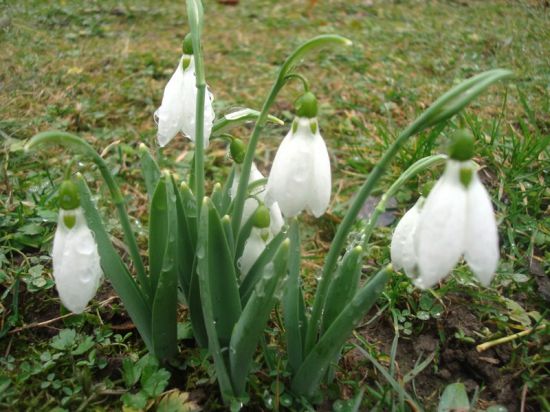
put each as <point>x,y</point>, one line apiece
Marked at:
<point>461,146</point>
<point>187,46</point>
<point>237,148</point>
<point>262,217</point>
<point>306,105</point>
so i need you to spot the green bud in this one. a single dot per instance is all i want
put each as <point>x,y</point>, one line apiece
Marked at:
<point>466,175</point>
<point>68,195</point>
<point>187,45</point>
<point>262,218</point>
<point>237,148</point>
<point>306,105</point>
<point>462,145</point>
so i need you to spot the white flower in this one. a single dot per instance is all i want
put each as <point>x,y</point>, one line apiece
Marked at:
<point>177,111</point>
<point>259,238</point>
<point>300,177</point>
<point>456,219</point>
<point>76,267</point>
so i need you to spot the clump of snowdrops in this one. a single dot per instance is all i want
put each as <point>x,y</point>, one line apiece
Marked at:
<point>235,252</point>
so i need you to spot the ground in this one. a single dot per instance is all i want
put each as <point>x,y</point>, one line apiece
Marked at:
<point>98,69</point>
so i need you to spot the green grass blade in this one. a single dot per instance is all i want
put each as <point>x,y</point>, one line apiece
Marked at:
<point>164,321</point>
<point>228,229</point>
<point>251,324</point>
<point>204,270</point>
<point>291,301</point>
<point>343,286</point>
<point>256,271</point>
<point>150,170</point>
<point>226,192</point>
<point>217,197</point>
<point>224,290</point>
<point>306,380</point>
<point>158,231</point>
<point>114,269</point>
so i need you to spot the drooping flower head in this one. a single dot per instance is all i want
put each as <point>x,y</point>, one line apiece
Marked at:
<point>178,108</point>
<point>262,210</point>
<point>76,264</point>
<point>300,177</point>
<point>455,220</point>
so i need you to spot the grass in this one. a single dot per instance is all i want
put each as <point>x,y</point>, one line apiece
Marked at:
<point>98,69</point>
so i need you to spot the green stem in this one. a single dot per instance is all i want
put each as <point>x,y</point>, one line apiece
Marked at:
<point>443,108</point>
<point>67,139</point>
<point>298,76</point>
<point>414,169</point>
<point>286,68</point>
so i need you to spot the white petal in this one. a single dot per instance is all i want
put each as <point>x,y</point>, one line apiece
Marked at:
<point>277,220</point>
<point>253,248</point>
<point>290,179</point>
<point>403,253</point>
<point>440,235</point>
<point>322,184</point>
<point>481,233</point>
<point>169,115</point>
<point>76,263</point>
<point>177,111</point>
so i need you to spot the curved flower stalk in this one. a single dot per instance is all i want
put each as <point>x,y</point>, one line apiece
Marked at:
<point>456,219</point>
<point>300,177</point>
<point>259,237</point>
<point>177,110</point>
<point>76,264</point>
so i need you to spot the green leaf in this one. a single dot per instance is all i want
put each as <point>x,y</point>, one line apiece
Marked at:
<point>164,318</point>
<point>136,401</point>
<point>226,193</point>
<point>256,271</point>
<point>158,231</point>
<point>226,302</point>
<point>306,380</point>
<point>64,340</point>
<point>343,286</point>
<point>131,372</point>
<point>454,399</point>
<point>251,324</point>
<point>114,269</point>
<point>150,170</point>
<point>203,278</point>
<point>291,301</point>
<point>153,383</point>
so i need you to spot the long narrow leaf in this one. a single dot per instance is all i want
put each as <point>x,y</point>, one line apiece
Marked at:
<point>226,192</point>
<point>164,321</point>
<point>114,269</point>
<point>343,286</point>
<point>306,380</point>
<point>150,170</point>
<point>291,301</point>
<point>252,322</point>
<point>203,267</point>
<point>158,231</point>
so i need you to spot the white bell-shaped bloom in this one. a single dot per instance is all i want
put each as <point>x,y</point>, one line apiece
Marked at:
<point>300,177</point>
<point>259,238</point>
<point>177,111</point>
<point>456,219</point>
<point>76,266</point>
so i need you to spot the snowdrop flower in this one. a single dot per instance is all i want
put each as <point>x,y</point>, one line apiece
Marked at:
<point>76,265</point>
<point>262,232</point>
<point>456,219</point>
<point>300,177</point>
<point>177,111</point>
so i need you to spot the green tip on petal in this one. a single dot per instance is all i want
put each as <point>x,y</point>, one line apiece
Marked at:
<point>237,149</point>
<point>262,217</point>
<point>187,45</point>
<point>69,198</point>
<point>427,188</point>
<point>69,221</point>
<point>185,61</point>
<point>462,145</point>
<point>306,105</point>
<point>466,174</point>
